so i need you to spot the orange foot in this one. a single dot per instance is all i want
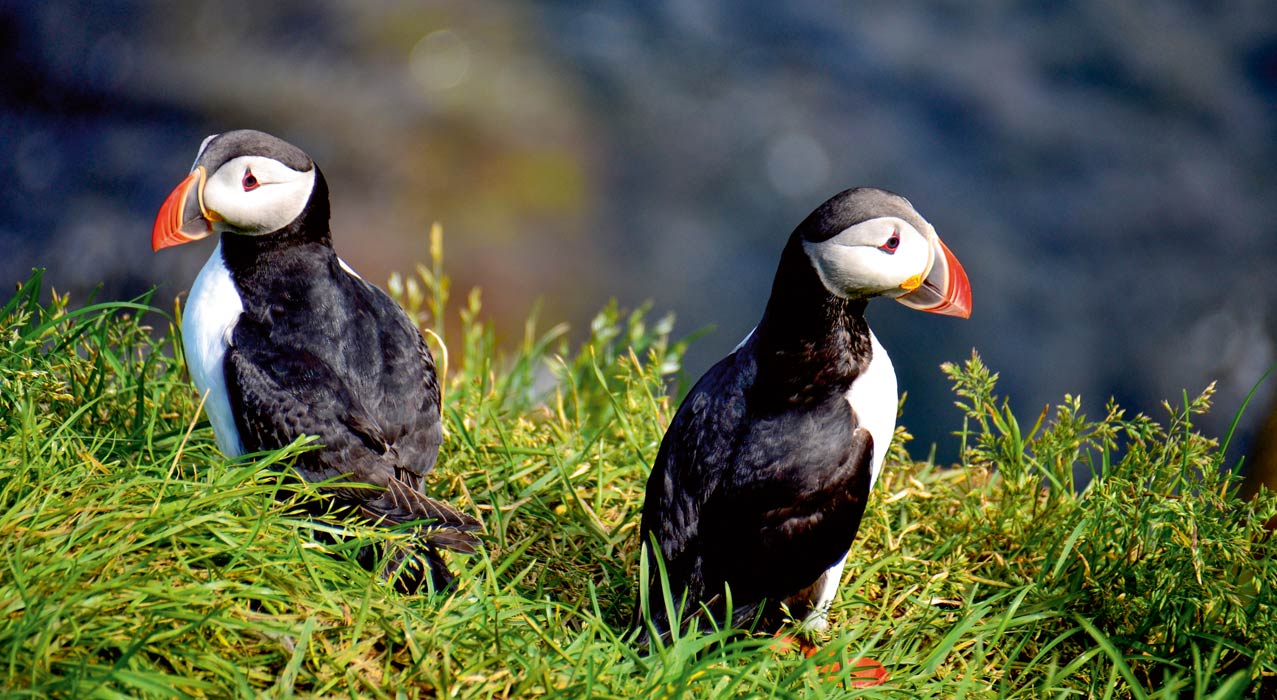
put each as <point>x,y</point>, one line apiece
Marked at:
<point>866,673</point>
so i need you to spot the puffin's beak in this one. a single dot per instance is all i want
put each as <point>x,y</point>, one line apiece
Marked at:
<point>182,217</point>
<point>945,290</point>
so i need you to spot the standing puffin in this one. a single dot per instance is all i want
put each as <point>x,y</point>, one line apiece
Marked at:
<point>762,477</point>
<point>285,340</point>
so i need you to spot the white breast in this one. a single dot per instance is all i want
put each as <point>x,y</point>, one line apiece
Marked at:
<point>873,397</point>
<point>212,310</point>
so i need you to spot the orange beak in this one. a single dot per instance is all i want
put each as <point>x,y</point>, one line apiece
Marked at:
<point>946,289</point>
<point>182,217</point>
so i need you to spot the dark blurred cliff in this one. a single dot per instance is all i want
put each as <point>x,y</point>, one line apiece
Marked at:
<point>1105,171</point>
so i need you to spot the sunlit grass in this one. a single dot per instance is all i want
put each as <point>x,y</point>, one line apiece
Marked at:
<point>136,561</point>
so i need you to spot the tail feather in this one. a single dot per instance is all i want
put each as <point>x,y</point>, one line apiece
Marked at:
<point>448,527</point>
<point>442,526</point>
<point>452,539</point>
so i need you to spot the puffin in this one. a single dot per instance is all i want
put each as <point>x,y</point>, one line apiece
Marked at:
<point>284,339</point>
<point>761,479</point>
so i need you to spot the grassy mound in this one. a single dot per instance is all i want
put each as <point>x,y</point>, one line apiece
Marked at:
<point>136,561</point>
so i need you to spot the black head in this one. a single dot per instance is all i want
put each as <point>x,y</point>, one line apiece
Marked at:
<point>243,182</point>
<point>854,206</point>
<point>220,148</point>
<point>866,242</point>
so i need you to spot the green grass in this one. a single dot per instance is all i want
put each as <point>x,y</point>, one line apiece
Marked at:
<point>136,561</point>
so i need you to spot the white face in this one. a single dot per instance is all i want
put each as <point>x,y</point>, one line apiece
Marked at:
<point>256,195</point>
<point>886,256</point>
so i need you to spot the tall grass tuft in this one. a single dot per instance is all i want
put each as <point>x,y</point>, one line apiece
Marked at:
<point>1069,558</point>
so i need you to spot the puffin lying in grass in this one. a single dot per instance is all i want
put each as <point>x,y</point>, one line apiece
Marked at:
<point>285,340</point>
<point>763,475</point>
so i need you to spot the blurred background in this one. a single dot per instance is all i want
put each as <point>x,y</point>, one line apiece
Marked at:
<point>1107,172</point>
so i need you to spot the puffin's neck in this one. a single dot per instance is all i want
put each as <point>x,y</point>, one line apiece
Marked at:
<point>810,344</point>
<point>291,257</point>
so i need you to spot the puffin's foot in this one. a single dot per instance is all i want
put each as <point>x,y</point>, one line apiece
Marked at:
<point>865,672</point>
<point>785,643</point>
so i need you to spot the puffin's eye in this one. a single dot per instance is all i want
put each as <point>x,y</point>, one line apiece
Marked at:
<point>250,181</point>
<point>891,244</point>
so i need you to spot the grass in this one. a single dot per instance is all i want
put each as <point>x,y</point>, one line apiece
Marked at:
<point>136,561</point>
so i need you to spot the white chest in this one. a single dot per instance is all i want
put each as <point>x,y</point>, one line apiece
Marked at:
<point>212,310</point>
<point>874,399</point>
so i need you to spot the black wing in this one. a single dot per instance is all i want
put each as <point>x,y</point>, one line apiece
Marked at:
<point>772,532</point>
<point>358,377</point>
<point>760,497</point>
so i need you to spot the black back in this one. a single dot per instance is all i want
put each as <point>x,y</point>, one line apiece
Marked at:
<point>318,351</point>
<point>340,357</point>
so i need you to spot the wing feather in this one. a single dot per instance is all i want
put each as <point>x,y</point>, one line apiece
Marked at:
<point>377,424</point>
